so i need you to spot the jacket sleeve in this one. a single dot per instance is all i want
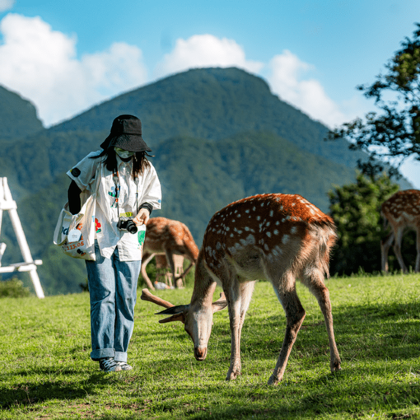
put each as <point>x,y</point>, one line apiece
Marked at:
<point>83,173</point>
<point>153,192</point>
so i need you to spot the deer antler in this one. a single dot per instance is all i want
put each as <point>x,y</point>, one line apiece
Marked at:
<point>146,295</point>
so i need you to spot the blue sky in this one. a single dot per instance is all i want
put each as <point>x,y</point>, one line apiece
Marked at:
<point>67,56</point>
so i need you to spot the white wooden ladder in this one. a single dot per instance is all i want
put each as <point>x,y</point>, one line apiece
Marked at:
<point>7,203</point>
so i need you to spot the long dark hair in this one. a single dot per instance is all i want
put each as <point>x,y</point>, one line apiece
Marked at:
<point>140,161</point>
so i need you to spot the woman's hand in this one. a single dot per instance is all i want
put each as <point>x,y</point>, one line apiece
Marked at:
<point>142,217</point>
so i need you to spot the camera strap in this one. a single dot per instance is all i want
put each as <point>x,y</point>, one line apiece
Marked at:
<point>115,176</point>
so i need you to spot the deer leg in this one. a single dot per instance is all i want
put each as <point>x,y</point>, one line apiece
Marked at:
<point>146,259</point>
<point>397,249</point>
<point>186,271</point>
<point>170,260</point>
<point>315,282</point>
<point>233,297</point>
<point>385,245</point>
<point>295,314</point>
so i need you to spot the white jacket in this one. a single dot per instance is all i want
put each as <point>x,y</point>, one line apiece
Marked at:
<point>132,194</point>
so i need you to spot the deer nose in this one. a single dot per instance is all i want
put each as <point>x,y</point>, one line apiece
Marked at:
<point>200,353</point>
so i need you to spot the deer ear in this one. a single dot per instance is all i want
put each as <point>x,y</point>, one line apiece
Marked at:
<point>219,305</point>
<point>173,318</point>
<point>174,310</point>
<point>177,312</point>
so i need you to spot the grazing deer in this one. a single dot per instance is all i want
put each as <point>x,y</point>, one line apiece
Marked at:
<point>401,211</point>
<point>277,237</point>
<point>168,237</point>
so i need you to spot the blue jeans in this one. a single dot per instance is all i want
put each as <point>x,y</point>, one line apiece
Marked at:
<point>113,295</point>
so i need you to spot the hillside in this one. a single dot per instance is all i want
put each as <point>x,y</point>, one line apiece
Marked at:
<point>211,104</point>
<point>18,116</point>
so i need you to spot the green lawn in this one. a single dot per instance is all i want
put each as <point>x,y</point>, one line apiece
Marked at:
<point>46,372</point>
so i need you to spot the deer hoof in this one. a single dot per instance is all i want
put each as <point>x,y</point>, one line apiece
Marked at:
<point>231,375</point>
<point>335,366</point>
<point>273,380</point>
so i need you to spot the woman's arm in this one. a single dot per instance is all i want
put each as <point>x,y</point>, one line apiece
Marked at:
<point>74,198</point>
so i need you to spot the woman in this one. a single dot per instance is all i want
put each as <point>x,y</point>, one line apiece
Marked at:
<point>127,189</point>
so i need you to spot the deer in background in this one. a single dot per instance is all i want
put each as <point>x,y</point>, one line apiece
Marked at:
<point>277,237</point>
<point>401,211</point>
<point>168,237</point>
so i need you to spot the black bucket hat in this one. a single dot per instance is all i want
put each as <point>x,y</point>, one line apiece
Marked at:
<point>126,134</point>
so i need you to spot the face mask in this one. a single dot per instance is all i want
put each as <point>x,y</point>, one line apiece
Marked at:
<point>123,154</point>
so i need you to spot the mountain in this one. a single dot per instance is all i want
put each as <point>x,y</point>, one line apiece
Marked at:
<point>17,116</point>
<point>217,135</point>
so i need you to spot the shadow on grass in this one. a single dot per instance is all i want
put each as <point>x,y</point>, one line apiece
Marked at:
<point>28,394</point>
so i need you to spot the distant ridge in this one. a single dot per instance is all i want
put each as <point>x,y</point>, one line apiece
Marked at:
<point>18,116</point>
<point>212,104</point>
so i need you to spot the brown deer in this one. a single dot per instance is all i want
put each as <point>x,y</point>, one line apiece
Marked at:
<point>277,237</point>
<point>401,211</point>
<point>168,237</point>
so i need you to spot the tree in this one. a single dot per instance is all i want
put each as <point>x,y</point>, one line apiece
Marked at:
<point>392,134</point>
<point>355,209</point>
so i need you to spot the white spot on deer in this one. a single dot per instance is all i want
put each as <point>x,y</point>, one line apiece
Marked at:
<point>287,217</point>
<point>268,234</point>
<point>277,223</point>
<point>258,218</point>
<point>293,204</point>
<point>247,211</point>
<point>236,210</point>
<point>267,224</point>
<point>266,247</point>
<point>233,220</point>
<point>293,230</point>
<point>239,232</point>
<point>231,235</point>
<point>271,213</point>
<point>228,228</point>
<point>247,228</point>
<point>253,208</point>
<point>262,204</point>
<point>218,231</point>
<point>238,246</point>
<point>277,251</point>
<point>285,239</point>
<point>250,240</point>
<point>218,245</point>
<point>276,232</point>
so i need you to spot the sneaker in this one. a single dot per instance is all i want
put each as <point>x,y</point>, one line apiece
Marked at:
<point>124,365</point>
<point>109,365</point>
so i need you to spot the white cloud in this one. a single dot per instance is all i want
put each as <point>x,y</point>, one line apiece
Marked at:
<point>286,81</point>
<point>6,5</point>
<point>41,64</point>
<point>205,51</point>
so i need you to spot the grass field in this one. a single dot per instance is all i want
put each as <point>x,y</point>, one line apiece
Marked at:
<point>46,373</point>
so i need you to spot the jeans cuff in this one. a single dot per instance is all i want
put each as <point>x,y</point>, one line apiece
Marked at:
<point>120,356</point>
<point>101,353</point>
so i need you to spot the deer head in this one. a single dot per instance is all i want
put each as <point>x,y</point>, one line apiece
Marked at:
<point>197,319</point>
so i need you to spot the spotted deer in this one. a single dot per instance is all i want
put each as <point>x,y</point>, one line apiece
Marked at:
<point>167,237</point>
<point>401,211</point>
<point>277,237</point>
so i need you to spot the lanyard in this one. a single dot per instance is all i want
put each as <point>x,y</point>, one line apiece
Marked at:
<point>115,176</point>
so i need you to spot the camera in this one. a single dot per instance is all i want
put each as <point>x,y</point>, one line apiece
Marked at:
<point>126,223</point>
